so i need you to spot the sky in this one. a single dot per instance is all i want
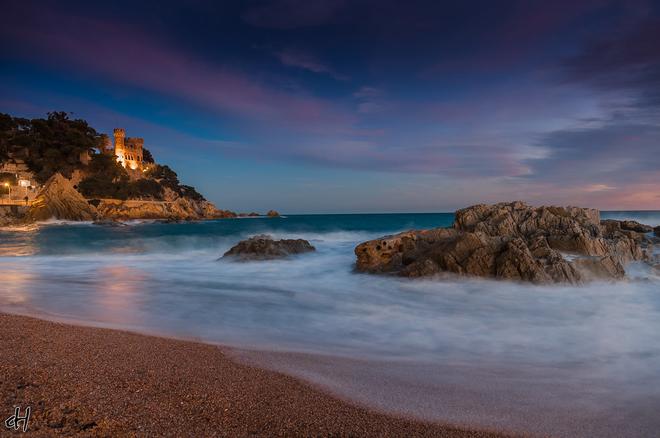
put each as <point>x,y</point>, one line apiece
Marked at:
<point>319,106</point>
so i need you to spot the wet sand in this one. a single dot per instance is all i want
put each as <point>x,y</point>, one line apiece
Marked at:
<point>99,382</point>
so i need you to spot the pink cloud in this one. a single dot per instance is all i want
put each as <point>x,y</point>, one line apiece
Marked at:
<point>128,56</point>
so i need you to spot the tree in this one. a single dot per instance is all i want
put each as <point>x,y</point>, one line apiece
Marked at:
<point>147,157</point>
<point>107,167</point>
<point>55,144</point>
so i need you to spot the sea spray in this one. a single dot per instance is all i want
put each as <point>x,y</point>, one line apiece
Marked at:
<point>452,349</point>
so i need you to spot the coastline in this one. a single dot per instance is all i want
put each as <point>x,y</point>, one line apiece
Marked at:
<point>78,379</point>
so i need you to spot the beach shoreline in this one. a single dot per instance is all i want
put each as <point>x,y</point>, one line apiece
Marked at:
<point>92,381</point>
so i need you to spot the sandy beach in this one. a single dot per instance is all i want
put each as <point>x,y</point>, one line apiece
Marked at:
<point>98,382</point>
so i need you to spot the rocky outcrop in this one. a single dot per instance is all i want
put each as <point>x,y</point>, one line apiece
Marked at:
<point>60,200</point>
<point>181,209</point>
<point>263,247</point>
<point>510,241</point>
<point>656,231</point>
<point>272,213</point>
<point>626,226</point>
<point>12,215</point>
<point>636,226</point>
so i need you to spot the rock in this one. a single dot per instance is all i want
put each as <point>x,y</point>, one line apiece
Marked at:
<point>60,200</point>
<point>272,213</point>
<point>636,226</point>
<point>656,231</point>
<point>594,268</point>
<point>263,247</point>
<point>12,215</point>
<point>510,241</point>
<point>614,225</point>
<point>181,209</point>
<point>109,223</point>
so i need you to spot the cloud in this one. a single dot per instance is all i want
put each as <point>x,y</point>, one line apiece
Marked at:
<point>370,100</point>
<point>600,158</point>
<point>628,62</point>
<point>306,61</point>
<point>128,56</point>
<point>292,14</point>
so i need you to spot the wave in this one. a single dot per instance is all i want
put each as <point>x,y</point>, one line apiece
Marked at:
<point>417,339</point>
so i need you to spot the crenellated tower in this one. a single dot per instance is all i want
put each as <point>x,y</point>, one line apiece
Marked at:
<point>128,150</point>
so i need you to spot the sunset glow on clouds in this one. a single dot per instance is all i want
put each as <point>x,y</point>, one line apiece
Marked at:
<point>332,106</point>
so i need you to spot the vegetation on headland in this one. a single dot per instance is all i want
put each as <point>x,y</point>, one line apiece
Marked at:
<point>55,145</point>
<point>49,145</point>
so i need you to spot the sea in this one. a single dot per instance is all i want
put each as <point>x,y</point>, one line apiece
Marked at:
<point>567,361</point>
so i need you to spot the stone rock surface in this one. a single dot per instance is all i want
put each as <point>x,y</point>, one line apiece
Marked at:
<point>630,226</point>
<point>636,226</point>
<point>272,213</point>
<point>60,200</point>
<point>511,241</point>
<point>263,247</point>
<point>12,215</point>
<point>656,231</point>
<point>181,209</point>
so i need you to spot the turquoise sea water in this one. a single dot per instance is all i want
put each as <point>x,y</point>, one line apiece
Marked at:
<point>167,279</point>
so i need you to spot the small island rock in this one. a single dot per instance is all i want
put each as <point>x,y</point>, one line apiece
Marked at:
<point>273,213</point>
<point>263,247</point>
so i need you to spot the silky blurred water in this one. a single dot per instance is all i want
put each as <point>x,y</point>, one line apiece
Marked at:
<point>167,279</point>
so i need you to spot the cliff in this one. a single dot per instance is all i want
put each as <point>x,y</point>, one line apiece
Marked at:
<point>181,209</point>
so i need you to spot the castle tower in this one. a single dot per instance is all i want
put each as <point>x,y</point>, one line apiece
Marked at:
<point>120,152</point>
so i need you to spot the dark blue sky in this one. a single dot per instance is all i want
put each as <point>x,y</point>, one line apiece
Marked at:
<point>356,106</point>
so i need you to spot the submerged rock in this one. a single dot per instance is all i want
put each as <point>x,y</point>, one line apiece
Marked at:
<point>60,200</point>
<point>109,223</point>
<point>511,241</point>
<point>263,247</point>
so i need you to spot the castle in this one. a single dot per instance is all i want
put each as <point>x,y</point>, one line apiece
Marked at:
<point>128,150</point>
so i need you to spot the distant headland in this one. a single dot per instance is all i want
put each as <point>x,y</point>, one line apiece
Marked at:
<point>62,168</point>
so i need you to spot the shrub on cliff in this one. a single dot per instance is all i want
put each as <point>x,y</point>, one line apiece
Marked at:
<point>97,186</point>
<point>144,189</point>
<point>100,187</point>
<point>168,178</point>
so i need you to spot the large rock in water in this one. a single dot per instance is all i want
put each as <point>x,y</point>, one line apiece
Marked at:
<point>263,247</point>
<point>510,241</point>
<point>60,200</point>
